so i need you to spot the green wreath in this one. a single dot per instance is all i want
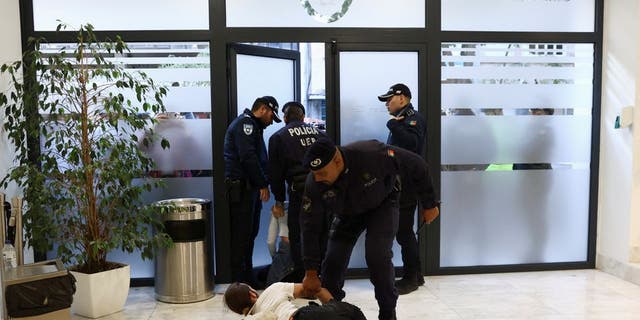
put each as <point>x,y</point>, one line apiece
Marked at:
<point>326,19</point>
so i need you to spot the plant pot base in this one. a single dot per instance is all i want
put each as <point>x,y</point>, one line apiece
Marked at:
<point>101,293</point>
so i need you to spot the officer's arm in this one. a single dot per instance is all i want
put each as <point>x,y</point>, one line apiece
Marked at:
<point>277,168</point>
<point>416,178</point>
<point>311,225</point>
<point>248,154</point>
<point>408,132</point>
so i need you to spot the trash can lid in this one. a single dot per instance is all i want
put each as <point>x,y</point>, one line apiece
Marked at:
<point>184,205</point>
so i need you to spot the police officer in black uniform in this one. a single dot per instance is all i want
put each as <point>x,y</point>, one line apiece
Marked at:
<point>245,169</point>
<point>407,129</point>
<point>360,184</point>
<point>286,150</point>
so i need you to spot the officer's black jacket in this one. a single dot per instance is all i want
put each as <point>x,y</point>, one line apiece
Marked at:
<point>409,132</point>
<point>370,178</point>
<point>245,154</point>
<point>286,150</point>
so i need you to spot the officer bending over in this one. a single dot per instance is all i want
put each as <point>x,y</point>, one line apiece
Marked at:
<point>360,184</point>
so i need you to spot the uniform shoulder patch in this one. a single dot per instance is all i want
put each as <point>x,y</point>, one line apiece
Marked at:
<point>247,128</point>
<point>391,153</point>
<point>413,122</point>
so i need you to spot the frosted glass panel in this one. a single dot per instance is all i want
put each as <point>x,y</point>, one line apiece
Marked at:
<point>183,67</point>
<point>176,188</point>
<point>123,14</point>
<point>518,15</point>
<point>527,104</point>
<point>187,166</point>
<point>362,115</point>
<point>514,217</point>
<point>190,152</point>
<point>516,139</point>
<point>261,76</point>
<point>296,13</point>
<point>517,75</point>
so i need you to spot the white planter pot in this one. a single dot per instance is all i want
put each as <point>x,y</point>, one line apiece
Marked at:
<point>102,293</point>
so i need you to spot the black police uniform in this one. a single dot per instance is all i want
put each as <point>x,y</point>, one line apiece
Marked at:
<point>365,196</point>
<point>286,150</point>
<point>408,133</point>
<point>245,169</point>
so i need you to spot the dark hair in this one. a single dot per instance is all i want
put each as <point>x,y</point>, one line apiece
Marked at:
<point>259,103</point>
<point>237,297</point>
<point>293,111</point>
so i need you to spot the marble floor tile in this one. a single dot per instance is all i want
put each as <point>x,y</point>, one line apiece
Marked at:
<point>552,295</point>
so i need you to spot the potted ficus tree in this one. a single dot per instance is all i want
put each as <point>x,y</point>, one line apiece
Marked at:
<point>77,121</point>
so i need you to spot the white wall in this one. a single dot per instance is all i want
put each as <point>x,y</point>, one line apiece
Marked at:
<point>10,50</point>
<point>619,191</point>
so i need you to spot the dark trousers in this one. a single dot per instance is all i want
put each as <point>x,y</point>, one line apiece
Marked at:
<point>245,223</point>
<point>406,237</point>
<point>381,225</point>
<point>332,310</point>
<point>293,222</point>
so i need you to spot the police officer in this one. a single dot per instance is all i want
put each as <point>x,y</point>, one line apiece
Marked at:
<point>360,184</point>
<point>407,129</point>
<point>245,169</point>
<point>286,150</point>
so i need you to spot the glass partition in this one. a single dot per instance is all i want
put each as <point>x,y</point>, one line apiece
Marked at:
<point>516,150</point>
<point>362,115</point>
<point>187,166</point>
<point>519,15</point>
<point>122,14</point>
<point>326,13</point>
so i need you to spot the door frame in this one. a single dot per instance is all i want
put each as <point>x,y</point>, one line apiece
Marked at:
<point>223,221</point>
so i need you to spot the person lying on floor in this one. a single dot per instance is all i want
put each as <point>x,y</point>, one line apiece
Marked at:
<point>275,302</point>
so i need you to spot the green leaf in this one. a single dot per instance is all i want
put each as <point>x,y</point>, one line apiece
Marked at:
<point>164,143</point>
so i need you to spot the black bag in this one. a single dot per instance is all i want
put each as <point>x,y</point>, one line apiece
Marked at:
<point>41,296</point>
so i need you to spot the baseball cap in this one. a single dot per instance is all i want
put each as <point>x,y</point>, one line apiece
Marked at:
<point>319,154</point>
<point>272,103</point>
<point>396,89</point>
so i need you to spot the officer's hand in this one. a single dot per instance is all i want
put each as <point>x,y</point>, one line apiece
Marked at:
<point>397,118</point>
<point>264,194</point>
<point>311,283</point>
<point>277,211</point>
<point>428,215</point>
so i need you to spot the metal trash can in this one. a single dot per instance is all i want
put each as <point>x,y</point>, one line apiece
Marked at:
<point>183,272</point>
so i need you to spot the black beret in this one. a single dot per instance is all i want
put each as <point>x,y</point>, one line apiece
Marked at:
<point>319,154</point>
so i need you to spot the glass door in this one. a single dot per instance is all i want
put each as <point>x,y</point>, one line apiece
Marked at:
<point>362,72</point>
<point>257,71</point>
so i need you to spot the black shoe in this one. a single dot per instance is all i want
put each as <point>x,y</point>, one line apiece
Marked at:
<point>387,315</point>
<point>405,286</point>
<point>420,278</point>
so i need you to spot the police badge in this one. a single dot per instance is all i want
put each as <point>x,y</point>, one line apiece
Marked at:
<point>248,128</point>
<point>326,11</point>
<point>306,204</point>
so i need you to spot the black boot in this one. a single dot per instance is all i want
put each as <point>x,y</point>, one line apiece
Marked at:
<point>420,278</point>
<point>387,315</point>
<point>409,283</point>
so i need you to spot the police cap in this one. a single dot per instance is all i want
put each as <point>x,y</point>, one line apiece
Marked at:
<point>272,103</point>
<point>395,90</point>
<point>319,154</point>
